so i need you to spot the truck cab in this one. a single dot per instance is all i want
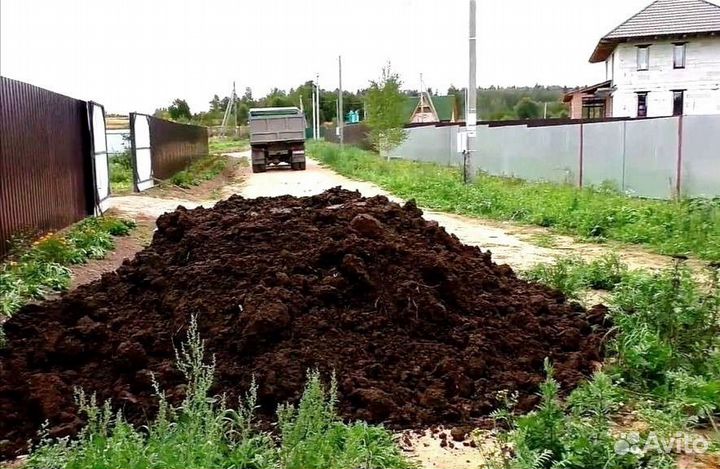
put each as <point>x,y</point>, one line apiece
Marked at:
<point>277,136</point>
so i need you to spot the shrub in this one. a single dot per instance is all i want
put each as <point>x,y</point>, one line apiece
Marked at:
<point>572,435</point>
<point>183,179</point>
<point>39,267</point>
<point>91,241</point>
<point>203,169</point>
<point>55,248</point>
<point>665,322</point>
<point>664,363</point>
<point>121,173</point>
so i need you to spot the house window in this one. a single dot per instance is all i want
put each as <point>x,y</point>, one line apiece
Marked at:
<point>593,108</point>
<point>678,102</point>
<point>679,55</point>
<point>642,104</point>
<point>643,57</point>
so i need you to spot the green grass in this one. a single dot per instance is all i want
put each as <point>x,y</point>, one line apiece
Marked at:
<point>663,366</point>
<point>690,227</point>
<point>227,145</point>
<point>572,274</point>
<point>121,174</point>
<point>543,240</point>
<point>667,324</point>
<point>203,169</point>
<point>36,268</point>
<point>204,432</point>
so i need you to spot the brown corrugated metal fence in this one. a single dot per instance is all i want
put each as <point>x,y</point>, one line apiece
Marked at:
<point>45,167</point>
<point>175,145</point>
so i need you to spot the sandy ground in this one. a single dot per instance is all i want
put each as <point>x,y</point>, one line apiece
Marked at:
<point>511,244</point>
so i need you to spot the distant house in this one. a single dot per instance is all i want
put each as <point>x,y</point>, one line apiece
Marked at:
<point>590,102</point>
<point>663,61</point>
<point>427,108</point>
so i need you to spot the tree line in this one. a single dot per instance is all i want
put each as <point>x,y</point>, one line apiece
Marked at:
<point>493,103</point>
<point>300,96</point>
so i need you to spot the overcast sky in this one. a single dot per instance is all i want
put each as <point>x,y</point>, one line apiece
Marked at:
<point>137,55</point>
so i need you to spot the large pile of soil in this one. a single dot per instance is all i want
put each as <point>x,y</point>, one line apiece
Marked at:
<point>419,328</point>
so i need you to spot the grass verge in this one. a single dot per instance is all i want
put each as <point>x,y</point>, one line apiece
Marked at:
<point>35,268</point>
<point>596,214</point>
<point>227,145</point>
<point>572,274</point>
<point>200,170</point>
<point>204,432</point>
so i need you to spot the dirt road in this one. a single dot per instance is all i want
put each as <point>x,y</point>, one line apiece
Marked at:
<point>515,245</point>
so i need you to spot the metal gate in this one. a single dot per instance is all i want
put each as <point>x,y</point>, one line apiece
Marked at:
<point>100,164</point>
<point>141,151</point>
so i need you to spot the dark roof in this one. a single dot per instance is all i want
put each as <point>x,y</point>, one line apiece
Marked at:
<point>662,18</point>
<point>587,89</point>
<point>411,102</point>
<point>443,105</point>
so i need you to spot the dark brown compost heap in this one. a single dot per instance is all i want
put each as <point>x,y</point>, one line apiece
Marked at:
<point>419,328</point>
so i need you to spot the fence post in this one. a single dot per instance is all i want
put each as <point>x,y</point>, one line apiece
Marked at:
<point>133,151</point>
<point>678,169</point>
<point>624,154</point>
<point>582,155</point>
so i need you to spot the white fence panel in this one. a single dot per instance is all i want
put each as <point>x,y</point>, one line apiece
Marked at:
<point>429,144</point>
<point>536,154</point>
<point>101,166</point>
<point>604,154</point>
<point>651,149</point>
<point>141,152</point>
<point>639,157</point>
<point>700,168</point>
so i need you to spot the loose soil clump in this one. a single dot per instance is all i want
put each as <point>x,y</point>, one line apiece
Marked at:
<point>419,328</point>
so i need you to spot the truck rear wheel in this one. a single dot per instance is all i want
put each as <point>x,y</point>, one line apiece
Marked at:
<point>259,168</point>
<point>301,166</point>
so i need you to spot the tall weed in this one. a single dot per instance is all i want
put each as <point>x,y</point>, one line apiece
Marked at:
<point>204,432</point>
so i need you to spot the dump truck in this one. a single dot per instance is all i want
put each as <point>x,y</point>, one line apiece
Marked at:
<point>277,135</point>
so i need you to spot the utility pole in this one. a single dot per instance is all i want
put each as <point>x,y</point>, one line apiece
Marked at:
<point>314,114</point>
<point>422,94</point>
<point>317,108</point>
<point>471,104</point>
<point>230,110</point>
<point>341,118</point>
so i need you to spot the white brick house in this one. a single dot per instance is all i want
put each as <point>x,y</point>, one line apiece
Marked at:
<point>663,61</point>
